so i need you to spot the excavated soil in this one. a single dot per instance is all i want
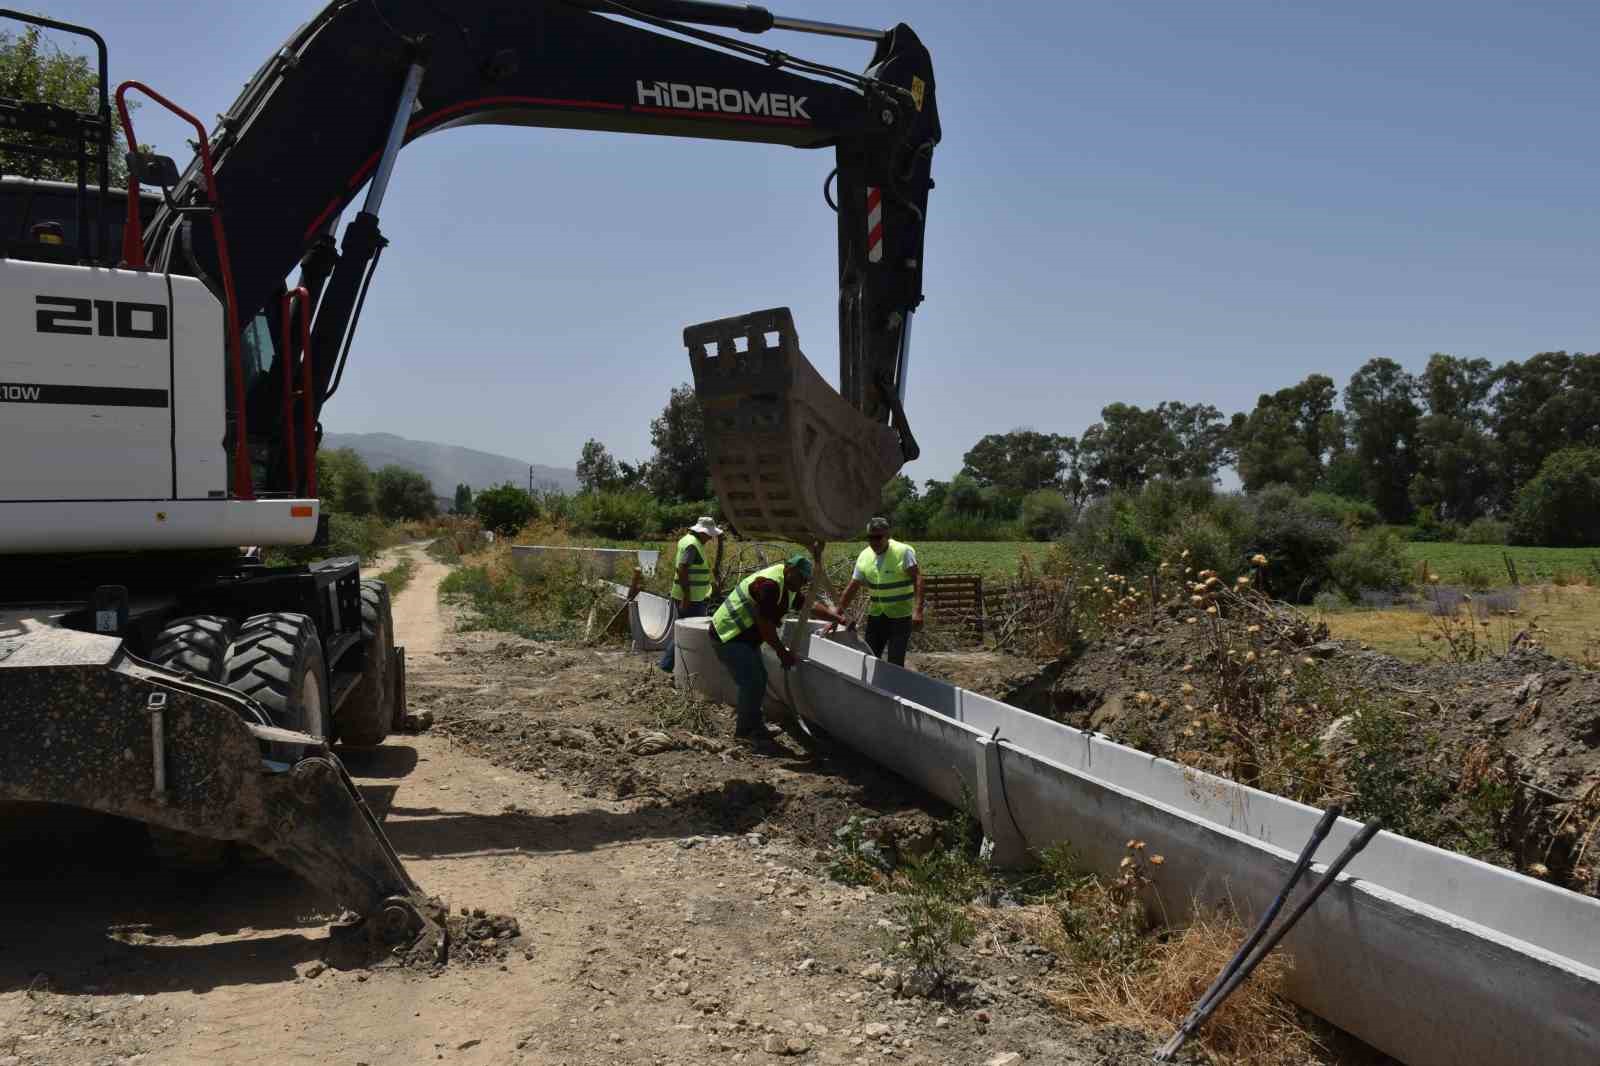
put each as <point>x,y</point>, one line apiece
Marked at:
<point>1535,716</point>
<point>667,891</point>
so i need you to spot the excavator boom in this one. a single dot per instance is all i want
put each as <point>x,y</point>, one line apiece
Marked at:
<point>326,115</point>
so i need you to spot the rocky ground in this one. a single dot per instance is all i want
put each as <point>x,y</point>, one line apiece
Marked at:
<point>670,896</point>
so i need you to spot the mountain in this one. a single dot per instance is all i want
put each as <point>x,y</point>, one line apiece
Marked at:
<point>448,465</point>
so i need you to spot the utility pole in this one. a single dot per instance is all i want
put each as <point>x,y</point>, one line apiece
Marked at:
<point>530,479</point>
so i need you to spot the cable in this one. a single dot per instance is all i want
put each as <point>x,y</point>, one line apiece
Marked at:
<point>827,196</point>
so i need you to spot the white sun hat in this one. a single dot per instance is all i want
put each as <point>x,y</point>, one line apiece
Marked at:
<point>706,525</point>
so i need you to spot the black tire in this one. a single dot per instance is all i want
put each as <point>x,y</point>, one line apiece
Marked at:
<point>366,713</point>
<point>196,644</point>
<point>277,659</point>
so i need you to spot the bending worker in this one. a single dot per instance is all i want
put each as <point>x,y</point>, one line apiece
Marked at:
<point>691,579</point>
<point>894,580</point>
<point>749,618</point>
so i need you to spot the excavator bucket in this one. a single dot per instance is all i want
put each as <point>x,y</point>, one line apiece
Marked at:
<point>87,725</point>
<point>790,458</point>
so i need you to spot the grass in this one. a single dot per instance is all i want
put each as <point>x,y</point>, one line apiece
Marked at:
<point>1568,618</point>
<point>398,576</point>
<point>1462,563</point>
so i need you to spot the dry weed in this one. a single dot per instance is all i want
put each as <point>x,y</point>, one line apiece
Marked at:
<point>1255,1025</point>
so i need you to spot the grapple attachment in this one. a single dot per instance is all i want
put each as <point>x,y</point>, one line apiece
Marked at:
<point>790,458</point>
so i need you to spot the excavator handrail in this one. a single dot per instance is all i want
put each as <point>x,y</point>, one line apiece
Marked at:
<point>133,255</point>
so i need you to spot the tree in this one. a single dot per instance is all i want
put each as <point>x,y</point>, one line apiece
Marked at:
<point>344,481</point>
<point>1128,447</point>
<point>1381,404</point>
<point>1548,402</point>
<point>404,495</point>
<point>1456,455</point>
<point>505,509</point>
<point>1560,506</point>
<point>597,470</point>
<point>463,500</point>
<point>1019,462</point>
<point>34,70</point>
<point>1196,440</point>
<point>680,471</point>
<point>1290,437</point>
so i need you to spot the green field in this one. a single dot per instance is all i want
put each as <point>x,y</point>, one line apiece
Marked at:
<point>1485,563</point>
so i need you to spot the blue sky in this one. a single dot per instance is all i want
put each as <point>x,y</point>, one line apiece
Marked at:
<point>1135,202</point>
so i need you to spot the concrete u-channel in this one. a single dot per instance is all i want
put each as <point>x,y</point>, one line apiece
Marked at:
<point>1433,957</point>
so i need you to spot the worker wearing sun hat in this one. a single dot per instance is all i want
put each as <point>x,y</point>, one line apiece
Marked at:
<point>749,618</point>
<point>692,579</point>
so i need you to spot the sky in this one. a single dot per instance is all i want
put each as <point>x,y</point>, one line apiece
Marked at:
<point>1135,202</point>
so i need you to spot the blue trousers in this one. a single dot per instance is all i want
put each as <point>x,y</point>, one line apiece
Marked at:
<point>744,662</point>
<point>669,655</point>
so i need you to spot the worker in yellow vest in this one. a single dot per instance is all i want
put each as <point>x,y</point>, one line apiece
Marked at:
<point>893,579</point>
<point>749,618</point>
<point>692,580</point>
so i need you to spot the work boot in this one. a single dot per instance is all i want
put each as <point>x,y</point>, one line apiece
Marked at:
<point>761,744</point>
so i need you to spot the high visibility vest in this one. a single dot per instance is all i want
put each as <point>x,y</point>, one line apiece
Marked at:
<point>699,574</point>
<point>886,578</point>
<point>738,611</point>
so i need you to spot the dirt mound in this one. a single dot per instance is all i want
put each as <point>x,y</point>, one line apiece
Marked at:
<point>1512,743</point>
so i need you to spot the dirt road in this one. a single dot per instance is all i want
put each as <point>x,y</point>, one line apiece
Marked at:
<point>670,904</point>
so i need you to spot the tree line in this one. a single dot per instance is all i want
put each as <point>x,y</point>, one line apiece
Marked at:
<point>1459,441</point>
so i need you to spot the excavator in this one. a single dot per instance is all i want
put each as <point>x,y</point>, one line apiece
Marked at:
<point>163,377</point>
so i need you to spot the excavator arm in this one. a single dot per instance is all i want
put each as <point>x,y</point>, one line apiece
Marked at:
<point>325,118</point>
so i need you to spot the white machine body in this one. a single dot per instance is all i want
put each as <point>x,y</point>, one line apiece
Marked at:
<point>112,411</point>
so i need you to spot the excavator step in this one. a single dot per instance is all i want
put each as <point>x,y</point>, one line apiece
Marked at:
<point>790,458</point>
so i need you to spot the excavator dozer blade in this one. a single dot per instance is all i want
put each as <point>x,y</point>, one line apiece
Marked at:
<point>87,725</point>
<point>790,458</point>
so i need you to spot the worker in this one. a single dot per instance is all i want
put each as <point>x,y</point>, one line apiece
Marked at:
<point>894,581</point>
<point>749,618</point>
<point>692,580</point>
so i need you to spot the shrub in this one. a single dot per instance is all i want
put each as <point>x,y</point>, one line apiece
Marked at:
<point>1475,576</point>
<point>1109,533</point>
<point>1300,543</point>
<point>948,526</point>
<point>1349,513</point>
<point>1560,507</point>
<point>618,515</point>
<point>1213,540</point>
<point>671,519</point>
<point>1045,514</point>
<point>505,509</point>
<point>348,534</point>
<point>1375,560</point>
<point>1429,528</point>
<point>1486,531</point>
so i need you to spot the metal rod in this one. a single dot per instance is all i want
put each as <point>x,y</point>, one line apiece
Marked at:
<point>158,743</point>
<point>827,29</point>
<point>397,136</point>
<point>1351,850</point>
<point>1192,1021</point>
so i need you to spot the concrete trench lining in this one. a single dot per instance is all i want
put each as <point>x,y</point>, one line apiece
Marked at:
<point>1433,957</point>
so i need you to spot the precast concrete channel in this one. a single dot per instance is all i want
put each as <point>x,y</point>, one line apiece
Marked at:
<point>1433,957</point>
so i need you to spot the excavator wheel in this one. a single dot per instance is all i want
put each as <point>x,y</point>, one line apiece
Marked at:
<point>790,458</point>
<point>195,644</point>
<point>277,660</point>
<point>366,714</point>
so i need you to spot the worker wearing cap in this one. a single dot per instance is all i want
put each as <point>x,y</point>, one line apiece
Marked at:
<point>691,579</point>
<point>894,581</point>
<point>749,618</point>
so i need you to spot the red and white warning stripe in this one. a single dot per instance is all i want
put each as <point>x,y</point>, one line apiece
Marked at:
<point>874,224</point>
